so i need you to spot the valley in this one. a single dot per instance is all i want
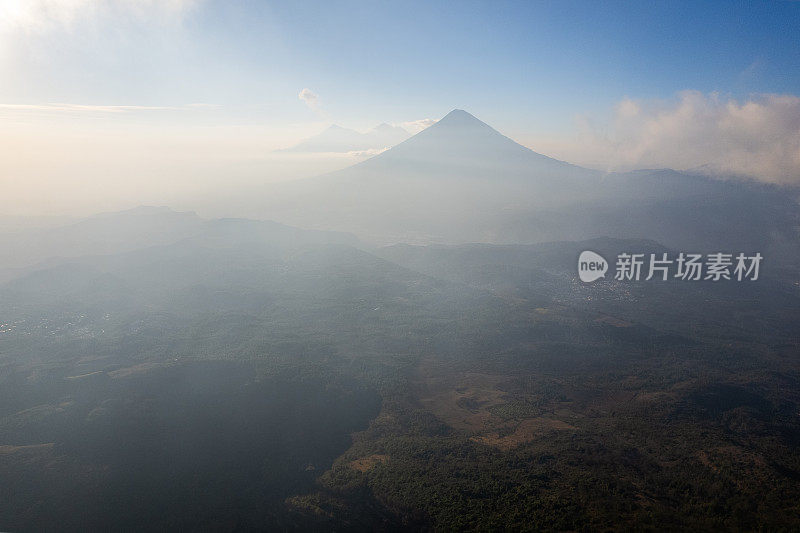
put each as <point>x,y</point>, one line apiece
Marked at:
<point>438,386</point>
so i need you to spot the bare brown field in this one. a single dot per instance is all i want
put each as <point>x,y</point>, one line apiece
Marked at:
<point>526,431</point>
<point>462,401</point>
<point>363,464</point>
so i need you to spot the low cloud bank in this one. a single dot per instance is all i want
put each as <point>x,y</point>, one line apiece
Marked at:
<point>758,138</point>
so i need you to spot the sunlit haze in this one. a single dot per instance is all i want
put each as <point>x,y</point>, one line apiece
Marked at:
<point>108,104</point>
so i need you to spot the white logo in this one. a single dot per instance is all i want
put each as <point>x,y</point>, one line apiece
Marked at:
<point>663,266</point>
<point>591,266</point>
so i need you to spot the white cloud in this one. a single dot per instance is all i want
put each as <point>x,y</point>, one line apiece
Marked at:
<point>310,99</point>
<point>757,138</point>
<point>416,126</point>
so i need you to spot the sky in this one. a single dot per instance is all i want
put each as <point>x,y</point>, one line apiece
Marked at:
<point>105,103</point>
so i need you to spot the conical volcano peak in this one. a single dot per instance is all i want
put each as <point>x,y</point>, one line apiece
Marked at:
<point>460,137</point>
<point>458,118</point>
<point>460,144</point>
<point>459,113</point>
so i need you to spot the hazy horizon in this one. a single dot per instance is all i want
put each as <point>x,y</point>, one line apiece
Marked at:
<point>220,89</point>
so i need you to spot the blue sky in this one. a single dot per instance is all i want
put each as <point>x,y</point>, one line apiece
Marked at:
<point>517,64</point>
<point>533,62</point>
<point>583,81</point>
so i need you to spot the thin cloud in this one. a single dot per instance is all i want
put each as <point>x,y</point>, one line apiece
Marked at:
<point>366,153</point>
<point>83,108</point>
<point>38,16</point>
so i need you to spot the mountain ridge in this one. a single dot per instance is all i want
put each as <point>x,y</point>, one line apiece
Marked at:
<point>337,139</point>
<point>461,181</point>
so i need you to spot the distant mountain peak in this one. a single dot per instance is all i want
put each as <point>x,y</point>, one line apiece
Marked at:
<point>459,113</point>
<point>336,139</point>
<point>389,129</point>
<point>460,118</point>
<point>462,140</point>
<point>462,146</point>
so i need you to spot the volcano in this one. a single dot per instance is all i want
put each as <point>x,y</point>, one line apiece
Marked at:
<point>462,149</point>
<point>460,180</point>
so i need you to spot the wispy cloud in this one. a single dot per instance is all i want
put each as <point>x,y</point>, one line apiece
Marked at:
<point>757,138</point>
<point>310,98</point>
<point>416,126</point>
<point>83,108</point>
